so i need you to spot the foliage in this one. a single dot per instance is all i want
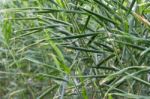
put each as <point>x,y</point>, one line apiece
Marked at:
<point>80,49</point>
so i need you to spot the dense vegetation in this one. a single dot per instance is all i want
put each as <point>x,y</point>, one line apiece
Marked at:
<point>74,49</point>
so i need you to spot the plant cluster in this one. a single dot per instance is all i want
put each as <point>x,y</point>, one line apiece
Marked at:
<point>74,49</point>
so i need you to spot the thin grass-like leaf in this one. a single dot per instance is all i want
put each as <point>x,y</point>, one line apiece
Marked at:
<point>40,28</point>
<point>51,76</point>
<point>105,60</point>
<point>131,6</point>
<point>129,95</point>
<point>102,18</point>
<point>47,91</point>
<point>82,49</point>
<point>121,72</point>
